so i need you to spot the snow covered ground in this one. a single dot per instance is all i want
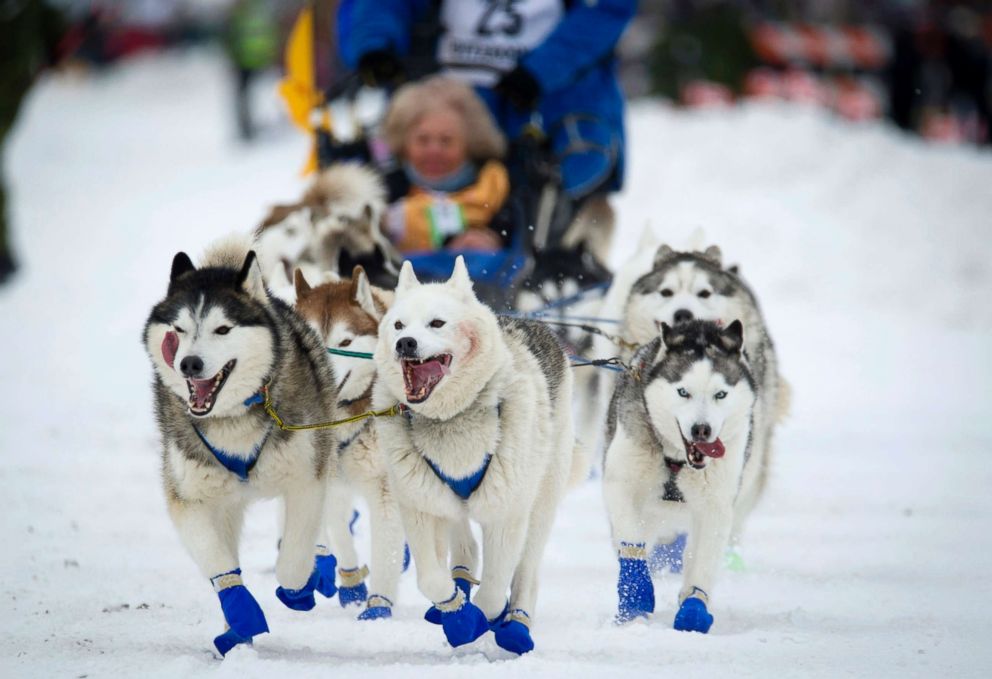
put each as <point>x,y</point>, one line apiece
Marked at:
<point>870,555</point>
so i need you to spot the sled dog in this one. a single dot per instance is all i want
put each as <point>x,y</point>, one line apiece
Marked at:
<point>346,314</point>
<point>217,342</point>
<point>683,286</point>
<point>485,433</point>
<point>679,444</point>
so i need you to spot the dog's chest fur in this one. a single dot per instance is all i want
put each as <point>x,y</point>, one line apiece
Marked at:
<point>458,446</point>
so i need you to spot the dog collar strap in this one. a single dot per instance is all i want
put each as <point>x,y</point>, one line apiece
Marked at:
<point>463,488</point>
<point>254,399</point>
<point>674,466</point>
<point>238,466</point>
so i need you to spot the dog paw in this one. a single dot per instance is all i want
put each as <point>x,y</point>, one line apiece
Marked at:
<point>349,596</point>
<point>635,591</point>
<point>377,608</point>
<point>513,633</point>
<point>300,599</point>
<point>464,624</point>
<point>693,616</point>
<point>242,613</point>
<point>353,589</point>
<point>228,640</point>
<point>326,568</point>
<point>668,556</point>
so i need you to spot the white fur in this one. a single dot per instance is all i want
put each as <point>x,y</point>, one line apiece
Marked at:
<point>531,444</point>
<point>634,473</point>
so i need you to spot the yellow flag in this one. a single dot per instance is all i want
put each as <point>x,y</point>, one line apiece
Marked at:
<point>298,87</point>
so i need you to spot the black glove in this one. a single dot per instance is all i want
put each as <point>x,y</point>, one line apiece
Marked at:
<point>520,88</point>
<point>380,68</point>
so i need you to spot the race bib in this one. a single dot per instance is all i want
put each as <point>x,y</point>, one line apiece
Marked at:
<point>484,38</point>
<point>446,220</point>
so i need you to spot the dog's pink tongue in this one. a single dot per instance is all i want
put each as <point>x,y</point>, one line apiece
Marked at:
<point>714,449</point>
<point>423,372</point>
<point>170,345</point>
<point>201,390</point>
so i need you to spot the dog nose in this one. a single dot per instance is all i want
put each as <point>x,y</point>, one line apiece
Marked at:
<point>682,316</point>
<point>191,366</point>
<point>701,432</point>
<point>406,347</point>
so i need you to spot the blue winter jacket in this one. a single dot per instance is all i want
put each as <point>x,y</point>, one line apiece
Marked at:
<point>574,66</point>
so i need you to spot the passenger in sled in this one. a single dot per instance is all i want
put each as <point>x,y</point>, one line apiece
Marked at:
<point>549,61</point>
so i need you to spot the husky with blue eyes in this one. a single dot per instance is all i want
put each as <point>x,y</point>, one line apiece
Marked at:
<point>679,435</point>
<point>485,434</point>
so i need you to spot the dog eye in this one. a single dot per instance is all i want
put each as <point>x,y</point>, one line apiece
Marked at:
<point>437,323</point>
<point>398,325</point>
<point>344,343</point>
<point>178,329</point>
<point>683,393</point>
<point>705,293</point>
<point>666,292</point>
<point>719,395</point>
<point>223,330</point>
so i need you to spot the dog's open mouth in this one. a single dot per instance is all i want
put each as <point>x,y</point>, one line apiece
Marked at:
<point>421,376</point>
<point>696,452</point>
<point>203,393</point>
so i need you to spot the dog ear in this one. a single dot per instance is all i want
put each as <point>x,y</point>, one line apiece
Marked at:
<point>361,292</point>
<point>459,277</point>
<point>732,337</point>
<point>713,254</point>
<point>664,252</point>
<point>734,269</point>
<point>300,283</point>
<point>181,264</point>
<point>408,279</point>
<point>250,278</point>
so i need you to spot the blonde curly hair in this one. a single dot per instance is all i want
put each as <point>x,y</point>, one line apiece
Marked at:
<point>412,101</point>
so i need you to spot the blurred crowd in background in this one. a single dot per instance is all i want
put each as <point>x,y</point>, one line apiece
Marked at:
<point>925,64</point>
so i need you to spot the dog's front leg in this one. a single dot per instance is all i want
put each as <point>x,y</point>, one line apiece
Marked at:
<point>462,621</point>
<point>338,515</point>
<point>711,524</point>
<point>387,549</point>
<point>502,546</point>
<point>210,532</point>
<point>295,567</point>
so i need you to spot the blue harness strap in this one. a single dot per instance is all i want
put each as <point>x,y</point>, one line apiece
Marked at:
<point>463,488</point>
<point>236,465</point>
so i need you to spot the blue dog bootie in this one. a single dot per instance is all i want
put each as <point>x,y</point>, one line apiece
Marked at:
<point>300,599</point>
<point>512,631</point>
<point>462,621</point>
<point>635,590</point>
<point>327,567</point>
<point>693,615</point>
<point>242,613</point>
<point>463,581</point>
<point>668,556</point>
<point>352,589</point>
<point>377,607</point>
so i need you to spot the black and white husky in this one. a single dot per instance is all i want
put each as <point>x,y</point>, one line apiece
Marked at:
<point>486,434</point>
<point>679,448</point>
<point>215,341</point>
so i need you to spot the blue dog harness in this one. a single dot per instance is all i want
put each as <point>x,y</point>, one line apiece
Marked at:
<point>238,466</point>
<point>463,487</point>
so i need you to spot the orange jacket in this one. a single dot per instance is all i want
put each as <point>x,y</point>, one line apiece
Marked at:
<point>431,217</point>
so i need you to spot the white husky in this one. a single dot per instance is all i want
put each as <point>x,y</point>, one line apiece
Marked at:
<point>486,433</point>
<point>679,436</point>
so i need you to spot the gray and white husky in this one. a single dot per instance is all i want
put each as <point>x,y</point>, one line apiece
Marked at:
<point>679,448</point>
<point>684,286</point>
<point>216,341</point>
<point>485,434</point>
